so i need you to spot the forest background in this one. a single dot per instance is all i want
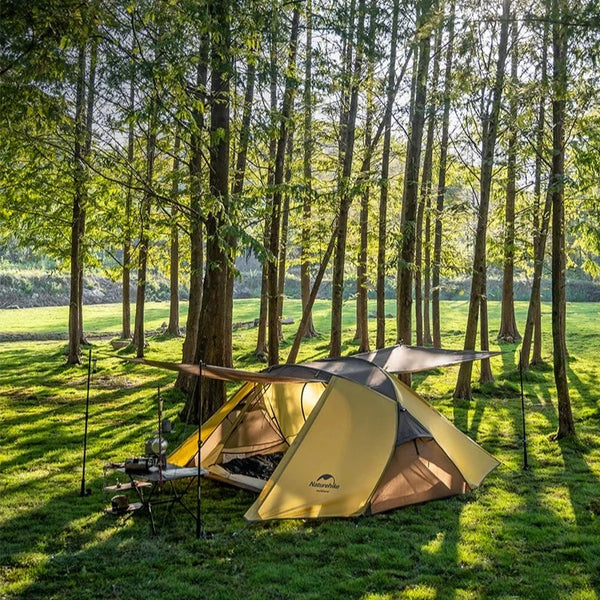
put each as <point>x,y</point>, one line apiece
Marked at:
<point>355,149</point>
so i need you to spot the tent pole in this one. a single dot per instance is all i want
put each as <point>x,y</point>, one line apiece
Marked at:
<point>199,461</point>
<point>84,491</point>
<point>525,464</point>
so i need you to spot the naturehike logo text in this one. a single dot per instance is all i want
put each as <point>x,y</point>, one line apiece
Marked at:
<point>324,483</point>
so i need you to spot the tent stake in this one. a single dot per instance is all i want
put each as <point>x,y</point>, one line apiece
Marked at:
<point>84,491</point>
<point>525,464</point>
<point>199,461</point>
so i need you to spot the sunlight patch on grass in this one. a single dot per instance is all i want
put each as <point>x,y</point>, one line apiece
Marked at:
<point>434,545</point>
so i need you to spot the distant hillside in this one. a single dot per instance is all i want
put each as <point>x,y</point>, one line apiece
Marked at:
<point>25,289</point>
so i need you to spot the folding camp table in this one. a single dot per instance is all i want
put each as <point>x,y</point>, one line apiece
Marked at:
<point>147,487</point>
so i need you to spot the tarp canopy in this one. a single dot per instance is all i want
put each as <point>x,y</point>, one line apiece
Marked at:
<point>224,373</point>
<point>394,359</point>
<point>413,359</point>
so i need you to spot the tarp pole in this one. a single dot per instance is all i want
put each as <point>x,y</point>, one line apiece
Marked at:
<point>525,464</point>
<point>160,452</point>
<point>199,462</point>
<point>84,491</point>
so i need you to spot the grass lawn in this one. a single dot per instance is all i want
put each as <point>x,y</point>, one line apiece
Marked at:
<point>523,534</point>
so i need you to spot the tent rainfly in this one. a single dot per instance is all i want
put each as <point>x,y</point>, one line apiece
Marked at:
<point>336,438</point>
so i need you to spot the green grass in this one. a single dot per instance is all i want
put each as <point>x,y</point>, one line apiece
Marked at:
<point>524,534</point>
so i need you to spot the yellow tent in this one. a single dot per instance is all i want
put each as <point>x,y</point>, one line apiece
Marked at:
<point>334,438</point>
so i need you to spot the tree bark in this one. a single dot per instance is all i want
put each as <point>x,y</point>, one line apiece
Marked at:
<point>566,425</point>
<point>196,160</point>
<point>261,351</point>
<point>441,187</point>
<point>541,219</point>
<point>127,233</point>
<point>237,189</point>
<point>305,234</point>
<point>212,345</point>
<point>73,356</point>
<point>409,207</point>
<point>346,193</point>
<point>508,331</point>
<point>422,245</point>
<point>385,170</point>
<point>139,337</point>
<point>274,240</point>
<point>285,219</point>
<point>362,307</point>
<point>490,128</point>
<point>173,326</point>
<point>291,359</point>
<point>87,152</point>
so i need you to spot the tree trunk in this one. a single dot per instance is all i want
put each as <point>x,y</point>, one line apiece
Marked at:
<point>305,234</point>
<point>566,425</point>
<point>533,312</point>
<point>485,375</point>
<point>533,324</point>
<point>261,351</point>
<point>490,128</point>
<point>508,324</point>
<point>127,234</point>
<point>139,337</point>
<point>73,356</point>
<point>285,219</point>
<point>237,189</point>
<point>346,193</point>
<point>196,160</point>
<point>274,241</point>
<point>385,170</point>
<point>441,188</point>
<point>362,307</point>
<point>173,327</point>
<point>291,359</point>
<point>87,152</point>
<point>422,246</point>
<point>212,345</point>
<point>409,207</point>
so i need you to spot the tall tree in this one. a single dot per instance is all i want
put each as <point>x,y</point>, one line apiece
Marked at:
<point>196,98</point>
<point>211,345</point>
<point>441,186</point>
<point>173,325</point>
<point>422,249</point>
<point>79,180</point>
<point>411,198</point>
<point>566,425</point>
<point>362,310</point>
<point>348,132</point>
<point>489,135</point>
<point>385,172</point>
<point>278,177</point>
<point>508,331</point>
<point>127,225</point>
<point>307,200</point>
<point>541,220</point>
<point>261,350</point>
<point>139,335</point>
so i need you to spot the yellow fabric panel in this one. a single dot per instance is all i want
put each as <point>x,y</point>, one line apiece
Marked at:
<point>337,459</point>
<point>291,404</point>
<point>187,451</point>
<point>470,459</point>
